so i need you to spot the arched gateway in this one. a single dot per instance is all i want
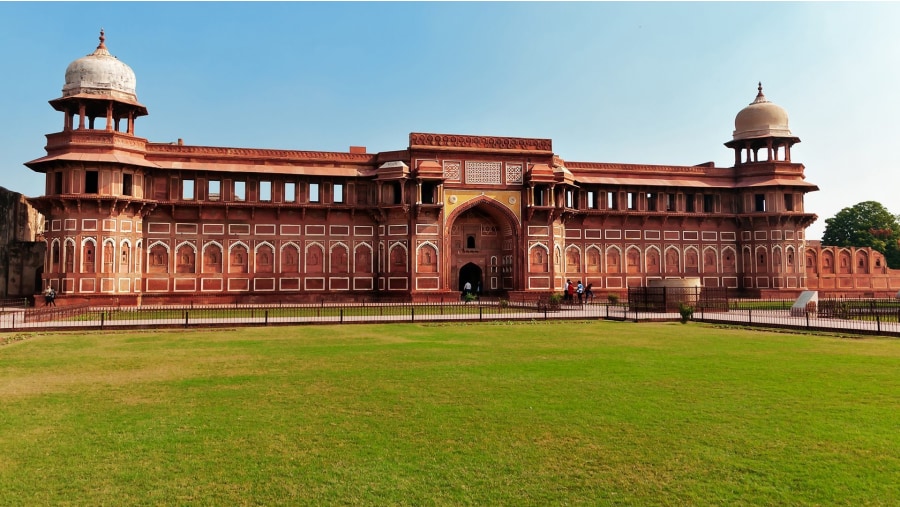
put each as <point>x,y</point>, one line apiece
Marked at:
<point>484,247</point>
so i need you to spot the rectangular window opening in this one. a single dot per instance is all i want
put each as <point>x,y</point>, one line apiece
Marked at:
<point>187,189</point>
<point>265,191</point>
<point>789,202</point>
<point>240,191</point>
<point>670,202</point>
<point>632,200</point>
<point>591,200</point>
<point>91,182</point>
<point>338,193</point>
<point>611,200</point>
<point>689,200</point>
<point>651,201</point>
<point>127,183</point>
<point>290,191</point>
<point>429,190</point>
<point>709,203</point>
<point>58,182</point>
<point>313,192</point>
<point>215,190</point>
<point>760,202</point>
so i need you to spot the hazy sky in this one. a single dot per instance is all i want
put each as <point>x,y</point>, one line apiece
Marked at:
<point>656,83</point>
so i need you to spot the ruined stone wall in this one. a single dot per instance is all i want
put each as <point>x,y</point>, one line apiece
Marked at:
<point>21,248</point>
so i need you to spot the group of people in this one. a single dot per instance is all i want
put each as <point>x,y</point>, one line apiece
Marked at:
<point>583,292</point>
<point>50,297</point>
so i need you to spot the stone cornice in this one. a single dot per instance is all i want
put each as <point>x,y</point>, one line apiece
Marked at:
<point>445,141</point>
<point>645,168</point>
<point>176,150</point>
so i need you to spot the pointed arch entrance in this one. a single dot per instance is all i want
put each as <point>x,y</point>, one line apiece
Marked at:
<point>483,235</point>
<point>471,273</point>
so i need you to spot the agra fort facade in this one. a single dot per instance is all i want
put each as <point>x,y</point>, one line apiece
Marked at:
<point>138,221</point>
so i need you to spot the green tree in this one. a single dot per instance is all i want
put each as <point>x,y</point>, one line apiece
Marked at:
<point>866,224</point>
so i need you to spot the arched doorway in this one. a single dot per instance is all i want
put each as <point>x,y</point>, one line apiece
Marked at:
<point>483,236</point>
<point>471,273</point>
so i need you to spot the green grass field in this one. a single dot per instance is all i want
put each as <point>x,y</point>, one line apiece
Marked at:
<point>548,413</point>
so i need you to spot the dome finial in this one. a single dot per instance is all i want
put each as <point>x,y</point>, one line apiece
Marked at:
<point>759,96</point>
<point>102,40</point>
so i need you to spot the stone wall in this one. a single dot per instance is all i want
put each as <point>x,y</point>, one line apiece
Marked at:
<point>22,249</point>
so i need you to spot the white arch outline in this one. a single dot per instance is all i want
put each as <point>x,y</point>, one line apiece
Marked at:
<point>716,269</point>
<point>308,246</point>
<point>364,244</point>
<point>84,242</point>
<point>168,254</point>
<point>256,253</point>
<point>296,247</point>
<point>660,266</point>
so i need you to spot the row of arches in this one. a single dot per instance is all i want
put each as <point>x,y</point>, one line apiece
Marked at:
<point>63,257</point>
<point>213,257</point>
<point>615,259</point>
<point>841,262</point>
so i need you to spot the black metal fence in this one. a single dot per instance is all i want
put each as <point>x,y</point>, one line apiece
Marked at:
<point>672,299</point>
<point>89,317</point>
<point>880,317</point>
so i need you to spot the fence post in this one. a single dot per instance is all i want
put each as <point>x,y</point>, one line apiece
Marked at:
<point>342,315</point>
<point>412,313</point>
<point>14,322</point>
<point>186,318</point>
<point>102,315</point>
<point>807,319</point>
<point>878,322</point>
<point>267,318</point>
<point>750,316</point>
<point>480,315</point>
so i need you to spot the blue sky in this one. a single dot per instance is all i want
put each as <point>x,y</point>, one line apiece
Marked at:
<point>656,83</point>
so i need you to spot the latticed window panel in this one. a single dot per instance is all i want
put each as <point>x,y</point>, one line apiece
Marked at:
<point>451,170</point>
<point>483,173</point>
<point>513,173</point>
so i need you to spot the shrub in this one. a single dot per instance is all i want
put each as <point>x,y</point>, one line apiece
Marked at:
<point>556,298</point>
<point>613,299</point>
<point>686,311</point>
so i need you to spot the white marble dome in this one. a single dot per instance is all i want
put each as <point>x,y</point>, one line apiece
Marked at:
<point>761,119</point>
<point>100,74</point>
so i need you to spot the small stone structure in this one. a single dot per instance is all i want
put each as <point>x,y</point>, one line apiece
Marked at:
<point>808,302</point>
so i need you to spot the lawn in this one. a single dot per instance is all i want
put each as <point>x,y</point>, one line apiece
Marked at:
<point>582,413</point>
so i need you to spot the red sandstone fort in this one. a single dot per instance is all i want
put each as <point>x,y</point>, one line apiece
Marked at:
<point>136,221</point>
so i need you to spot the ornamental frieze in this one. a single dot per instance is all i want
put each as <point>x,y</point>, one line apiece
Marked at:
<point>483,142</point>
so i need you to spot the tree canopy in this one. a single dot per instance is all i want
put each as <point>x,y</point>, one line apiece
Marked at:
<point>868,223</point>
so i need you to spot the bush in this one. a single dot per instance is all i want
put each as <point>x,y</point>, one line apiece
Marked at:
<point>556,298</point>
<point>613,299</point>
<point>686,311</point>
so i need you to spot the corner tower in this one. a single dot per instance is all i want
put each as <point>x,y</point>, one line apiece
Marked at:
<point>770,187</point>
<point>95,174</point>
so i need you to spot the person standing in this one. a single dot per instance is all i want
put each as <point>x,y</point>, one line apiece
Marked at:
<point>580,291</point>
